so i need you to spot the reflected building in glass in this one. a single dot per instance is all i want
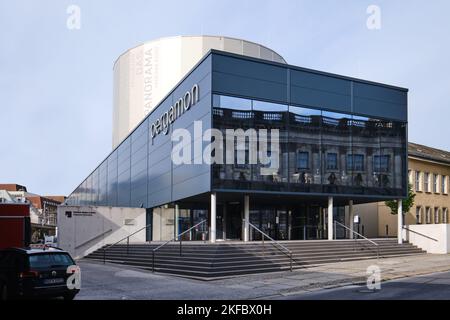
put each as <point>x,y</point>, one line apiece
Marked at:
<point>342,141</point>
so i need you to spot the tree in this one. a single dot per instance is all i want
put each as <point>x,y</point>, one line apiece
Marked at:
<point>406,203</point>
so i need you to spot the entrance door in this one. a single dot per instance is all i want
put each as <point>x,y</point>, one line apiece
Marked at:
<point>233,221</point>
<point>282,224</point>
<point>200,232</point>
<point>268,222</point>
<point>149,224</point>
<point>299,224</point>
<point>306,223</point>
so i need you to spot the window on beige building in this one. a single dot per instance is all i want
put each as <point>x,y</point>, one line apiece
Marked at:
<point>428,215</point>
<point>411,177</point>
<point>419,215</point>
<point>417,182</point>
<point>445,215</point>
<point>435,183</point>
<point>426,182</point>
<point>444,184</point>
<point>436,215</point>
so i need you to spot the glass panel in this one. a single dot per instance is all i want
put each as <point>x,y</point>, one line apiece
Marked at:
<point>304,145</point>
<point>336,142</point>
<point>233,113</point>
<point>274,174</point>
<point>320,151</point>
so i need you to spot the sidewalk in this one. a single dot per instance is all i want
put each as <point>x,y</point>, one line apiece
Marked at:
<point>123,282</point>
<point>340,274</point>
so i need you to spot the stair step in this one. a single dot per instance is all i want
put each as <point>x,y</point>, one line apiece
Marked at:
<point>227,259</point>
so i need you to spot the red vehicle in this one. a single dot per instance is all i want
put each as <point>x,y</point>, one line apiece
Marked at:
<point>15,225</point>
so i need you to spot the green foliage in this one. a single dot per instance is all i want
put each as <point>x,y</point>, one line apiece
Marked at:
<point>406,203</point>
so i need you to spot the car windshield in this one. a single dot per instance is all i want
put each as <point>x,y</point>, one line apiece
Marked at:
<point>50,260</point>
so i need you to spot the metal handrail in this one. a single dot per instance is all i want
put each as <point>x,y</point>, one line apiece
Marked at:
<point>128,242</point>
<point>358,234</point>
<point>420,234</point>
<point>273,242</point>
<point>173,239</point>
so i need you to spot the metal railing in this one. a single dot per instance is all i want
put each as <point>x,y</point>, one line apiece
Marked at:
<point>177,237</point>
<point>358,235</point>
<point>309,231</point>
<point>277,245</point>
<point>128,242</point>
<point>420,234</point>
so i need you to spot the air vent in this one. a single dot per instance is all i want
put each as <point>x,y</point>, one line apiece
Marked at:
<point>130,222</point>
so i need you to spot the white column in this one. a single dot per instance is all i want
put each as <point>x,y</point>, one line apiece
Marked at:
<point>351,217</point>
<point>177,215</point>
<point>330,218</point>
<point>224,222</point>
<point>246,217</point>
<point>400,221</point>
<point>212,236</point>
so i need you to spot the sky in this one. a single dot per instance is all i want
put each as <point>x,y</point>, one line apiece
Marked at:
<point>56,82</point>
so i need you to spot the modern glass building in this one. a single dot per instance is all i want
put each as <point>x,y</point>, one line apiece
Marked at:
<point>341,141</point>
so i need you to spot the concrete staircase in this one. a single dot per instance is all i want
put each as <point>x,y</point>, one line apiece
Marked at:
<point>209,261</point>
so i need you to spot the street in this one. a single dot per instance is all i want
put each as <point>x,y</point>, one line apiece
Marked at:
<point>416,277</point>
<point>427,287</point>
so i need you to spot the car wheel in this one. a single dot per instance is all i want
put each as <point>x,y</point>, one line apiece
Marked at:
<point>69,296</point>
<point>3,292</point>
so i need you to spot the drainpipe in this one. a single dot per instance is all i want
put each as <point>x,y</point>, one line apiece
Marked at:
<point>400,221</point>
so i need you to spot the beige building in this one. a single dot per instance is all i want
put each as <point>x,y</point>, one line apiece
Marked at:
<point>429,172</point>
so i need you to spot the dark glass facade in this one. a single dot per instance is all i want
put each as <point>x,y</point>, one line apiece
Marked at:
<point>321,152</point>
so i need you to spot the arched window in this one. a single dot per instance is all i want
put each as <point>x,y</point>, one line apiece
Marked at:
<point>428,215</point>
<point>436,215</point>
<point>419,219</point>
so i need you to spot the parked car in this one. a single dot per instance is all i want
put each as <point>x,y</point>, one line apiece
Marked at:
<point>37,272</point>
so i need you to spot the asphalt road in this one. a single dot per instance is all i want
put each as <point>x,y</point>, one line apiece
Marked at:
<point>116,282</point>
<point>427,287</point>
<point>113,282</point>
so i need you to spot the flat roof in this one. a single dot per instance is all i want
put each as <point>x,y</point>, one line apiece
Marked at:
<point>289,66</point>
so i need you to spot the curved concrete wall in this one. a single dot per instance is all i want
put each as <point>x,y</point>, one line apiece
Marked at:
<point>145,74</point>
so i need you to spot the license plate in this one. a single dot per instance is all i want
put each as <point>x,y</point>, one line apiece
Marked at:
<point>54,281</point>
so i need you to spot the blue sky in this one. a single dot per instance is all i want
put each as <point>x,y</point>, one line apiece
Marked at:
<point>56,83</point>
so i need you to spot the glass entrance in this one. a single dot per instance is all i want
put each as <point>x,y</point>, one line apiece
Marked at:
<point>233,221</point>
<point>273,222</point>
<point>307,223</point>
<point>190,217</point>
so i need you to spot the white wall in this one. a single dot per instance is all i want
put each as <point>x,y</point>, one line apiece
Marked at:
<point>90,228</point>
<point>440,232</point>
<point>163,224</point>
<point>368,215</point>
